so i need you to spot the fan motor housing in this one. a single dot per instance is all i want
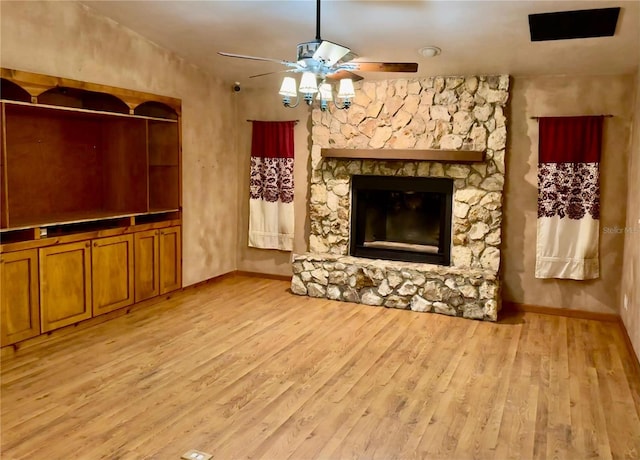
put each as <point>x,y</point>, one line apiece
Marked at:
<point>306,50</point>
<point>305,59</point>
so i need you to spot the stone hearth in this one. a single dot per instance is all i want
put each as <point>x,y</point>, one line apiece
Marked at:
<point>448,113</point>
<point>471,293</point>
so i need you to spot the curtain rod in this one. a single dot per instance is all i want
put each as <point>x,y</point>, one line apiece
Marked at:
<point>604,116</point>
<point>295,121</point>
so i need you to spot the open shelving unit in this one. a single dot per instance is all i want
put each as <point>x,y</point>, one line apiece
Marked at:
<point>71,153</point>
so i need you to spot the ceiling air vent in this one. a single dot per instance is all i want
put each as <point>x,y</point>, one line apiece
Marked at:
<point>565,25</point>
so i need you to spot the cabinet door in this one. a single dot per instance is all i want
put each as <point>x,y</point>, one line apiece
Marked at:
<point>147,265</point>
<point>19,296</point>
<point>65,284</point>
<point>112,273</point>
<point>170,259</point>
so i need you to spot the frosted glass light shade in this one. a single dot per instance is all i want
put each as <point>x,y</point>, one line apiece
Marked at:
<point>346,90</point>
<point>308,83</point>
<point>325,92</point>
<point>288,88</point>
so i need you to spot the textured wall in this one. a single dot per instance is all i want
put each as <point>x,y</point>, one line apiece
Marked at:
<point>540,96</point>
<point>67,39</point>
<point>631,273</point>
<point>254,104</point>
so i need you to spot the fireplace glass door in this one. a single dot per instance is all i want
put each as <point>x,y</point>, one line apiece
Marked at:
<point>401,218</point>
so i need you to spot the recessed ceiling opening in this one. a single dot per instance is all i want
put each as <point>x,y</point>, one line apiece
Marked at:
<point>566,25</point>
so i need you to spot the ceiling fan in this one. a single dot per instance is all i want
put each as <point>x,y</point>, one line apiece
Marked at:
<point>328,60</point>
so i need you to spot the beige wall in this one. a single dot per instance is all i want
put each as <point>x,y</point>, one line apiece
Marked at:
<point>540,96</point>
<point>631,272</point>
<point>265,104</point>
<point>67,39</point>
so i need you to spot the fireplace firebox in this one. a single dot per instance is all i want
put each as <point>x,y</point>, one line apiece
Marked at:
<point>401,218</point>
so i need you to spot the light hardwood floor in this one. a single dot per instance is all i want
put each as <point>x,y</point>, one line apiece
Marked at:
<point>241,368</point>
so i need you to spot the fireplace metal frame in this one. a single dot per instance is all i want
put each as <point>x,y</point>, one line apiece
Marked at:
<point>439,185</point>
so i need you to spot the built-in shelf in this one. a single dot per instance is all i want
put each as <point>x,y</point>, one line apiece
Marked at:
<point>449,156</point>
<point>85,112</point>
<point>79,217</point>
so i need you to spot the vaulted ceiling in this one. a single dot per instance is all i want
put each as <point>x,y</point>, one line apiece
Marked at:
<point>476,37</point>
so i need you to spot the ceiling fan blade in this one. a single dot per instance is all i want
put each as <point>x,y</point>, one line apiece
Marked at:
<point>330,53</point>
<point>255,58</point>
<point>271,73</point>
<point>380,66</point>
<point>340,74</point>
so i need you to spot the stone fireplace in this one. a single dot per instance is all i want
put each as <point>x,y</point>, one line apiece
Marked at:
<point>459,277</point>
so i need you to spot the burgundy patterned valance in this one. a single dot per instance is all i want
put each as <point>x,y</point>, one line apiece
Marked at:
<point>568,167</point>
<point>272,161</point>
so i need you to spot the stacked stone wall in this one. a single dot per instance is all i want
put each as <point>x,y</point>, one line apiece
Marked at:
<point>449,113</point>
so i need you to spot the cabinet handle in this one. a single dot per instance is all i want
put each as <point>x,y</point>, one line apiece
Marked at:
<point>157,232</point>
<point>88,245</point>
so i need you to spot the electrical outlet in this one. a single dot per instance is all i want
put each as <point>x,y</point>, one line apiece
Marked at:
<point>625,302</point>
<point>196,455</point>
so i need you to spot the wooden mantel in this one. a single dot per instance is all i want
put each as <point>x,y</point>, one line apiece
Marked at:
<point>449,156</point>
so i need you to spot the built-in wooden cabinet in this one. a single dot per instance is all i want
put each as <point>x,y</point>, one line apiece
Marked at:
<point>147,265</point>
<point>158,255</point>
<point>170,257</point>
<point>90,200</point>
<point>20,298</point>
<point>65,284</point>
<point>112,273</point>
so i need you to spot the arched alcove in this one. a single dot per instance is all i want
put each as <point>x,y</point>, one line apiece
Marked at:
<point>156,110</point>
<point>83,99</point>
<point>13,92</point>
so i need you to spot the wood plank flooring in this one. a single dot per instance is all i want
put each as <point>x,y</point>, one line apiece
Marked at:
<point>241,368</point>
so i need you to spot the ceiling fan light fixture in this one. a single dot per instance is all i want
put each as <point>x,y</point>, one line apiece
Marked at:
<point>325,95</point>
<point>346,90</point>
<point>319,59</point>
<point>308,83</point>
<point>325,92</point>
<point>288,88</point>
<point>429,51</point>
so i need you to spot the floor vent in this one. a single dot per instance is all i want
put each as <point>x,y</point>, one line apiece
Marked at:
<point>196,455</point>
